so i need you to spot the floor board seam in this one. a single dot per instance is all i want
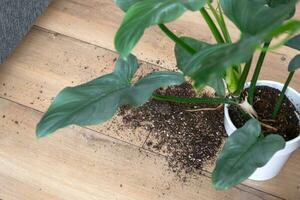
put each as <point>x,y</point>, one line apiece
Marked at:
<point>41,112</point>
<point>39,28</point>
<point>245,185</point>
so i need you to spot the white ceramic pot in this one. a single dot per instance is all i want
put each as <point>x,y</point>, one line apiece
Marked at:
<point>273,167</point>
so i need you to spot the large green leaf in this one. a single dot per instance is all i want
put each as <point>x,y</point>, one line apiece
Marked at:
<point>144,14</point>
<point>183,57</point>
<point>97,101</point>
<point>245,151</point>
<point>294,42</point>
<point>126,4</point>
<point>294,64</point>
<point>212,62</point>
<point>256,16</point>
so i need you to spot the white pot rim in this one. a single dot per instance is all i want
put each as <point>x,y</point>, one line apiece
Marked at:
<point>266,83</point>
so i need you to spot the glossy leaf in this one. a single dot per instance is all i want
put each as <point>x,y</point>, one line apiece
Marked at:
<point>183,57</point>
<point>245,151</point>
<point>232,79</point>
<point>256,16</point>
<point>294,42</point>
<point>212,62</point>
<point>275,3</point>
<point>97,101</point>
<point>218,85</point>
<point>126,4</point>
<point>144,14</point>
<point>294,64</point>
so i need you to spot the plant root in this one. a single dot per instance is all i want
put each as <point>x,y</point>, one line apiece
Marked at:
<point>269,127</point>
<point>205,109</point>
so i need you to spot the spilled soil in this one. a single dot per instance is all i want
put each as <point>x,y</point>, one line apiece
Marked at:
<point>189,134</point>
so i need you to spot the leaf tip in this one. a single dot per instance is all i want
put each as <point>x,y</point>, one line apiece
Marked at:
<point>219,184</point>
<point>40,131</point>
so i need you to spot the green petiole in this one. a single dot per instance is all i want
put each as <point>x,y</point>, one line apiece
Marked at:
<point>176,39</point>
<point>221,22</point>
<point>212,26</point>
<point>206,100</point>
<point>243,77</point>
<point>281,97</point>
<point>256,73</point>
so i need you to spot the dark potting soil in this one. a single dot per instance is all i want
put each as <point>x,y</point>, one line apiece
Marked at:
<point>286,123</point>
<point>190,139</point>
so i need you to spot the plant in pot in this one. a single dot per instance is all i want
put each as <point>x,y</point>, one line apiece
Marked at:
<point>223,66</point>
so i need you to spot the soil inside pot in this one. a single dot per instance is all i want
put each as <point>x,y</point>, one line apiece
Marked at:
<point>189,139</point>
<point>286,123</point>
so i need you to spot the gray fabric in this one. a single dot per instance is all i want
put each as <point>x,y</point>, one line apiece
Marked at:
<point>16,18</point>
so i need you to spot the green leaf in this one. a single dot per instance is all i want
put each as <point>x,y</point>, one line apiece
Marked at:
<point>183,57</point>
<point>144,14</point>
<point>232,79</point>
<point>245,151</point>
<point>218,85</point>
<point>212,62</point>
<point>126,4</point>
<point>257,16</point>
<point>294,64</point>
<point>98,100</point>
<point>294,42</point>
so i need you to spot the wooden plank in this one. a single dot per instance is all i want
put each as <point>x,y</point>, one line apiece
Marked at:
<point>286,185</point>
<point>96,21</point>
<point>77,163</point>
<point>45,63</point>
<point>32,76</point>
<point>14,189</point>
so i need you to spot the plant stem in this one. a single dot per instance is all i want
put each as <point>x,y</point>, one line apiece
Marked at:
<point>212,26</point>
<point>226,32</point>
<point>220,19</point>
<point>176,39</point>
<point>244,77</point>
<point>206,100</point>
<point>233,72</point>
<point>282,94</point>
<point>257,72</point>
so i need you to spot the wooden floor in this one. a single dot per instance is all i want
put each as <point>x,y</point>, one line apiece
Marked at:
<point>73,43</point>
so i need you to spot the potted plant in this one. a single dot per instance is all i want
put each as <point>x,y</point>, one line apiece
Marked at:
<point>223,66</point>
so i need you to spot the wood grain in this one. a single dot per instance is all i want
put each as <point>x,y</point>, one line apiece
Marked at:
<point>96,21</point>
<point>45,63</point>
<point>102,162</point>
<point>77,163</point>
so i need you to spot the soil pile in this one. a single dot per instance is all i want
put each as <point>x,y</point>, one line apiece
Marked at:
<point>286,123</point>
<point>189,139</point>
